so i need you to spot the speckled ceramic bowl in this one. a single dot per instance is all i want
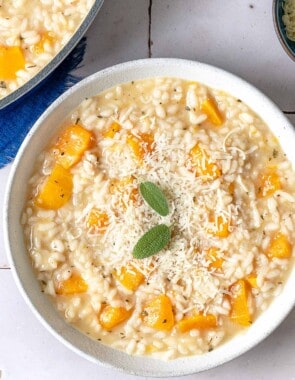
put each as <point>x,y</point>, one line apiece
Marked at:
<point>288,45</point>
<point>36,141</point>
<point>41,76</point>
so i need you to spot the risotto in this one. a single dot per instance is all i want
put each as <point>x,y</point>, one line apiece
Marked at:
<point>160,219</point>
<point>289,18</point>
<point>32,33</point>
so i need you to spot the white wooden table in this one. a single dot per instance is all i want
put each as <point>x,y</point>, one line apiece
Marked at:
<point>236,35</point>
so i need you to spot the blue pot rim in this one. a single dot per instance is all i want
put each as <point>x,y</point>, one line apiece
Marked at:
<point>55,62</point>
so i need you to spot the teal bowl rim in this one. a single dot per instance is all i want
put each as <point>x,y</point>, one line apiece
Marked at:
<point>44,73</point>
<point>287,44</point>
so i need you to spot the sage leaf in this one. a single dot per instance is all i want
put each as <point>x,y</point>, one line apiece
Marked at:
<point>154,197</point>
<point>152,242</point>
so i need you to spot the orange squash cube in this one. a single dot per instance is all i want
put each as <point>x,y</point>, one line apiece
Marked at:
<point>231,188</point>
<point>198,321</point>
<point>129,277</point>
<point>141,145</point>
<point>46,38</point>
<point>133,195</point>
<point>11,60</point>
<point>150,348</point>
<point>221,227</point>
<point>240,313</point>
<point>279,247</point>
<point>71,145</point>
<point>112,130</point>
<point>252,281</point>
<point>147,141</point>
<point>98,220</point>
<point>202,164</point>
<point>210,108</point>
<point>56,190</point>
<point>113,316</point>
<point>268,183</point>
<point>158,313</point>
<point>121,185</point>
<point>213,257</point>
<point>73,285</point>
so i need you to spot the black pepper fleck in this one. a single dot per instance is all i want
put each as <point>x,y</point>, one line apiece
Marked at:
<point>275,153</point>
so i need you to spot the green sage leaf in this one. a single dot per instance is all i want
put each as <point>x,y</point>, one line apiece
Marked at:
<point>154,197</point>
<point>152,242</point>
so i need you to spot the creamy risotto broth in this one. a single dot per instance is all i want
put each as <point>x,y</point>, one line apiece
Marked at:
<point>230,192</point>
<point>32,32</point>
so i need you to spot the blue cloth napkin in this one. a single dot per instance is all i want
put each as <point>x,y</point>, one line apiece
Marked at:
<point>16,120</point>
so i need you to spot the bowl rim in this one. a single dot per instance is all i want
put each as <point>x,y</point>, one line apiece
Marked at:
<point>45,72</point>
<point>127,363</point>
<point>281,36</point>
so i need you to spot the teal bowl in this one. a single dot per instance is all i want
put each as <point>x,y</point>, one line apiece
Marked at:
<point>278,12</point>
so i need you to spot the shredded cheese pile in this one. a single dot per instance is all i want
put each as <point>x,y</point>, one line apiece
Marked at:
<point>194,204</point>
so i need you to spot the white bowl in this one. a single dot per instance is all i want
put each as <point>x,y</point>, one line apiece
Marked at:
<point>36,141</point>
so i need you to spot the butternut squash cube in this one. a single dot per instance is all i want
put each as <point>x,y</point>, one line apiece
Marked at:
<point>71,145</point>
<point>140,146</point>
<point>73,285</point>
<point>221,227</point>
<point>214,258</point>
<point>147,141</point>
<point>112,130</point>
<point>268,183</point>
<point>129,277</point>
<point>210,108</point>
<point>197,321</point>
<point>46,38</point>
<point>133,195</point>
<point>158,313</point>
<point>150,348</point>
<point>113,316</point>
<point>98,220</point>
<point>279,247</point>
<point>252,280</point>
<point>202,164</point>
<point>11,60</point>
<point>231,188</point>
<point>240,313</point>
<point>122,185</point>
<point>56,190</point>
